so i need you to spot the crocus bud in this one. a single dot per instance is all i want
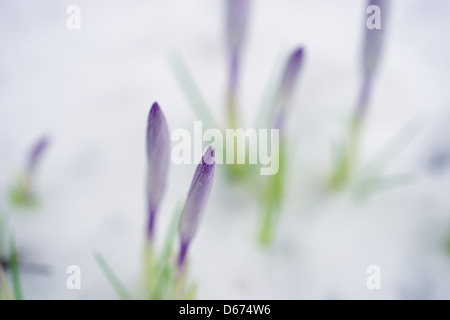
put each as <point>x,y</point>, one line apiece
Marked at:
<point>236,25</point>
<point>36,153</point>
<point>373,39</point>
<point>237,20</point>
<point>158,157</point>
<point>287,85</point>
<point>195,203</point>
<point>373,42</point>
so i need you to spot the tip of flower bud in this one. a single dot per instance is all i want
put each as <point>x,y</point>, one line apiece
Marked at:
<point>208,156</point>
<point>289,79</point>
<point>294,64</point>
<point>298,53</point>
<point>37,151</point>
<point>155,108</point>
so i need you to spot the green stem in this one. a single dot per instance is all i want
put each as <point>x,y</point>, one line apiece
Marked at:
<point>15,268</point>
<point>149,268</point>
<point>272,198</point>
<point>231,111</point>
<point>448,244</point>
<point>265,235</point>
<point>5,291</point>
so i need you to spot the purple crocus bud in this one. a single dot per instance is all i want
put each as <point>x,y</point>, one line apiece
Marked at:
<point>287,85</point>
<point>375,29</point>
<point>237,21</point>
<point>373,43</point>
<point>36,153</point>
<point>195,203</point>
<point>158,157</point>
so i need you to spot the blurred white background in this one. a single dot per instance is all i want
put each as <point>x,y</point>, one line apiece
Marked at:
<point>91,90</point>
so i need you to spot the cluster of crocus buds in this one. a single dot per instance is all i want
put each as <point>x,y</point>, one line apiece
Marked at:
<point>158,157</point>
<point>164,274</point>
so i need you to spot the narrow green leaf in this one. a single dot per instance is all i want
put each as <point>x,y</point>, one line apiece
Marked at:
<point>382,183</point>
<point>190,90</point>
<point>264,117</point>
<point>391,150</point>
<point>164,273</point>
<point>171,235</point>
<point>113,279</point>
<point>14,268</point>
<point>447,247</point>
<point>2,236</point>
<point>5,291</point>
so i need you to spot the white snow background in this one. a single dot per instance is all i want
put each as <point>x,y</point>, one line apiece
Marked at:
<point>91,90</point>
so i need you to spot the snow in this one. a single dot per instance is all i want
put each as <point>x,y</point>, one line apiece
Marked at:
<point>91,90</point>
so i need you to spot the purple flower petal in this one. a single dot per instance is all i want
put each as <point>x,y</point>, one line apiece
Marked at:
<point>237,21</point>
<point>195,203</point>
<point>372,47</point>
<point>287,85</point>
<point>373,39</point>
<point>158,157</point>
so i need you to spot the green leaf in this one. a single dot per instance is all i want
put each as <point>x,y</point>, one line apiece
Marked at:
<point>14,268</point>
<point>448,245</point>
<point>372,178</point>
<point>2,236</point>
<point>190,90</point>
<point>171,235</point>
<point>149,265</point>
<point>382,183</point>
<point>113,279</point>
<point>391,150</point>
<point>5,291</point>
<point>264,117</point>
<point>191,292</point>
<point>165,273</point>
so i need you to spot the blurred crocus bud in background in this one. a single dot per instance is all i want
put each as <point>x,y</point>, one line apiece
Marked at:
<point>237,16</point>
<point>36,153</point>
<point>272,190</point>
<point>373,40</point>
<point>195,203</point>
<point>237,21</point>
<point>158,157</point>
<point>374,24</point>
<point>373,43</point>
<point>287,86</point>
<point>22,193</point>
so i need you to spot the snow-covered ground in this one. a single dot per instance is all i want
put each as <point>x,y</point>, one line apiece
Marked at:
<point>91,90</point>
